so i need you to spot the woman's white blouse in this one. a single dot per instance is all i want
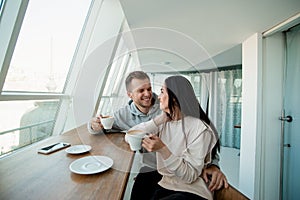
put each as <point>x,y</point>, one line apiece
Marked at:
<point>191,141</point>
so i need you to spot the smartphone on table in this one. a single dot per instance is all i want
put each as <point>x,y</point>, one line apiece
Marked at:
<point>53,147</point>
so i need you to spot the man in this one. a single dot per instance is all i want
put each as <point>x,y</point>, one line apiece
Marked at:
<point>142,107</point>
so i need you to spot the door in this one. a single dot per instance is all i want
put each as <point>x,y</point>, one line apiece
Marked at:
<point>291,116</point>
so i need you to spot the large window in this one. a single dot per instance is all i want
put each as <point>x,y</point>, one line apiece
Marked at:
<point>45,45</point>
<point>25,122</point>
<point>114,94</point>
<point>33,76</point>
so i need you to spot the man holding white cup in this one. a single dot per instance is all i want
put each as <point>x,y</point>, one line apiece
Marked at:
<point>107,121</point>
<point>142,107</point>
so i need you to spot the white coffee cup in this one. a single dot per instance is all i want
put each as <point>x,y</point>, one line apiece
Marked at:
<point>134,138</point>
<point>107,121</point>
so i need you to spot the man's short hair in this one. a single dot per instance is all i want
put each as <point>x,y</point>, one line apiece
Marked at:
<point>135,75</point>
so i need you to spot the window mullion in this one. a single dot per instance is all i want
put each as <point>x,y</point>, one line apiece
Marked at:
<point>10,24</point>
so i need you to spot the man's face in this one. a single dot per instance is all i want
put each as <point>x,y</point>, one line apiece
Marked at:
<point>141,92</point>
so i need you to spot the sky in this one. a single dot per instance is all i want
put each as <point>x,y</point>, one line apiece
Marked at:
<point>48,38</point>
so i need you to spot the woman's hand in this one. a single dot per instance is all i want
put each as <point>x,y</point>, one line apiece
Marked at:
<point>154,144</point>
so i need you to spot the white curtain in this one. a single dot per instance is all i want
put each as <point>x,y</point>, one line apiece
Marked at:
<point>224,96</point>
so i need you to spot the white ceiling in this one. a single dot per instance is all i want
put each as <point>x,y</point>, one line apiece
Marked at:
<point>176,33</point>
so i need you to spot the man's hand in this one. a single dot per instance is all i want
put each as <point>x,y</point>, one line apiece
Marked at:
<point>218,179</point>
<point>96,124</point>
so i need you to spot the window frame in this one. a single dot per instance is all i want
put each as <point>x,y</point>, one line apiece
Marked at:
<point>12,14</point>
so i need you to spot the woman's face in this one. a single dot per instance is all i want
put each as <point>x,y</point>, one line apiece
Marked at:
<point>164,99</point>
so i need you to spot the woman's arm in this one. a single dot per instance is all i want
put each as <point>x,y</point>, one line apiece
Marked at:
<point>188,166</point>
<point>149,127</point>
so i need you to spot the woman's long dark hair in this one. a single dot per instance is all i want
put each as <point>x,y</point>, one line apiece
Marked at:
<point>181,94</point>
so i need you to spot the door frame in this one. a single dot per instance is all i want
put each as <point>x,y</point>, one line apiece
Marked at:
<point>273,59</point>
<point>272,103</point>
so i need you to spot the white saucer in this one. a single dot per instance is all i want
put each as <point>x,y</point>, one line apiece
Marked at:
<point>91,164</point>
<point>78,149</point>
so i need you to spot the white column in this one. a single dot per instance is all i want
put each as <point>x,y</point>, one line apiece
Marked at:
<point>251,112</point>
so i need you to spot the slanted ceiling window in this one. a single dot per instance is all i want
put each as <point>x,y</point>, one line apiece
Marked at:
<point>45,46</point>
<point>34,75</point>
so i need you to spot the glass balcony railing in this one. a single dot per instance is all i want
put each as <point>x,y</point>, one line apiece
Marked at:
<point>14,139</point>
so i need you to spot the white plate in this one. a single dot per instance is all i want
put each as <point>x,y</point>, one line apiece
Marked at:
<point>78,149</point>
<point>91,164</point>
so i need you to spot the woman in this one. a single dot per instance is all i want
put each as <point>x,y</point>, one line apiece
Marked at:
<point>184,141</point>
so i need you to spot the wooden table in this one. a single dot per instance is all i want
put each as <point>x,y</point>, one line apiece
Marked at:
<point>29,175</point>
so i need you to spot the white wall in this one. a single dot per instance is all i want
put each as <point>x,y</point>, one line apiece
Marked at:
<point>250,144</point>
<point>232,56</point>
